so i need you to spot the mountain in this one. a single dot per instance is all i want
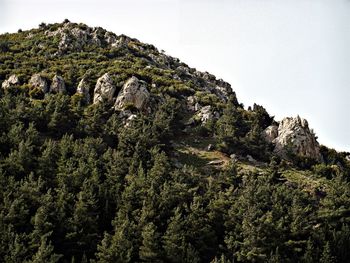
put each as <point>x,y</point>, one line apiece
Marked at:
<point>112,151</point>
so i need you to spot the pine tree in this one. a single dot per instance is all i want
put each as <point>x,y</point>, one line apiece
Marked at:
<point>150,248</point>
<point>230,127</point>
<point>45,253</point>
<point>174,238</point>
<point>160,169</point>
<point>309,256</point>
<point>222,259</point>
<point>327,256</point>
<point>119,247</point>
<point>192,256</point>
<point>84,223</point>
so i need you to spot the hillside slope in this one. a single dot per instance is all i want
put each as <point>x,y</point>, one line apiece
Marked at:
<point>112,151</point>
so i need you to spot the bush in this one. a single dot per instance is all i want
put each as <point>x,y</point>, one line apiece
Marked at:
<point>36,93</point>
<point>4,46</point>
<point>327,171</point>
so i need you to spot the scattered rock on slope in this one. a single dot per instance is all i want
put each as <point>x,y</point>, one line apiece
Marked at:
<point>40,82</point>
<point>57,85</point>
<point>11,81</point>
<point>83,89</point>
<point>205,114</point>
<point>104,89</point>
<point>133,92</point>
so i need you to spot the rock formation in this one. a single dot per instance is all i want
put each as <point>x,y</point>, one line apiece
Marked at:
<point>191,103</point>
<point>133,92</point>
<point>40,82</point>
<point>83,89</point>
<point>57,85</point>
<point>11,81</point>
<point>74,37</point>
<point>270,133</point>
<point>104,89</point>
<point>204,114</point>
<point>293,134</point>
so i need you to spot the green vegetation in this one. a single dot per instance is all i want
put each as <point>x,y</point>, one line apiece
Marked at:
<point>78,185</point>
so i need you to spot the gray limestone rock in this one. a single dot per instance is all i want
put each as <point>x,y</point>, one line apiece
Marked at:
<point>205,114</point>
<point>40,82</point>
<point>270,133</point>
<point>83,89</point>
<point>57,85</point>
<point>11,81</point>
<point>294,135</point>
<point>133,92</point>
<point>104,89</point>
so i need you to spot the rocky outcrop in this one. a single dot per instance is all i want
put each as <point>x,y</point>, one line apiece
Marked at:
<point>11,81</point>
<point>293,134</point>
<point>57,85</point>
<point>270,133</point>
<point>111,39</point>
<point>205,114</point>
<point>191,103</point>
<point>134,92</point>
<point>161,59</point>
<point>74,36</point>
<point>83,89</point>
<point>40,82</point>
<point>104,89</point>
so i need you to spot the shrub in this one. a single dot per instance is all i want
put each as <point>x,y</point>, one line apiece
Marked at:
<point>4,46</point>
<point>36,93</point>
<point>327,171</point>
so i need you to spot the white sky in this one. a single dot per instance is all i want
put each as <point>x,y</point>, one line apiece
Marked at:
<point>290,56</point>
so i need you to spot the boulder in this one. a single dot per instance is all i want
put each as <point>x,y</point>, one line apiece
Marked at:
<point>294,135</point>
<point>234,157</point>
<point>127,117</point>
<point>134,92</point>
<point>11,81</point>
<point>215,162</point>
<point>205,114</point>
<point>40,82</point>
<point>347,158</point>
<point>104,89</point>
<point>191,102</point>
<point>251,159</point>
<point>129,120</point>
<point>83,89</point>
<point>57,85</point>
<point>197,106</point>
